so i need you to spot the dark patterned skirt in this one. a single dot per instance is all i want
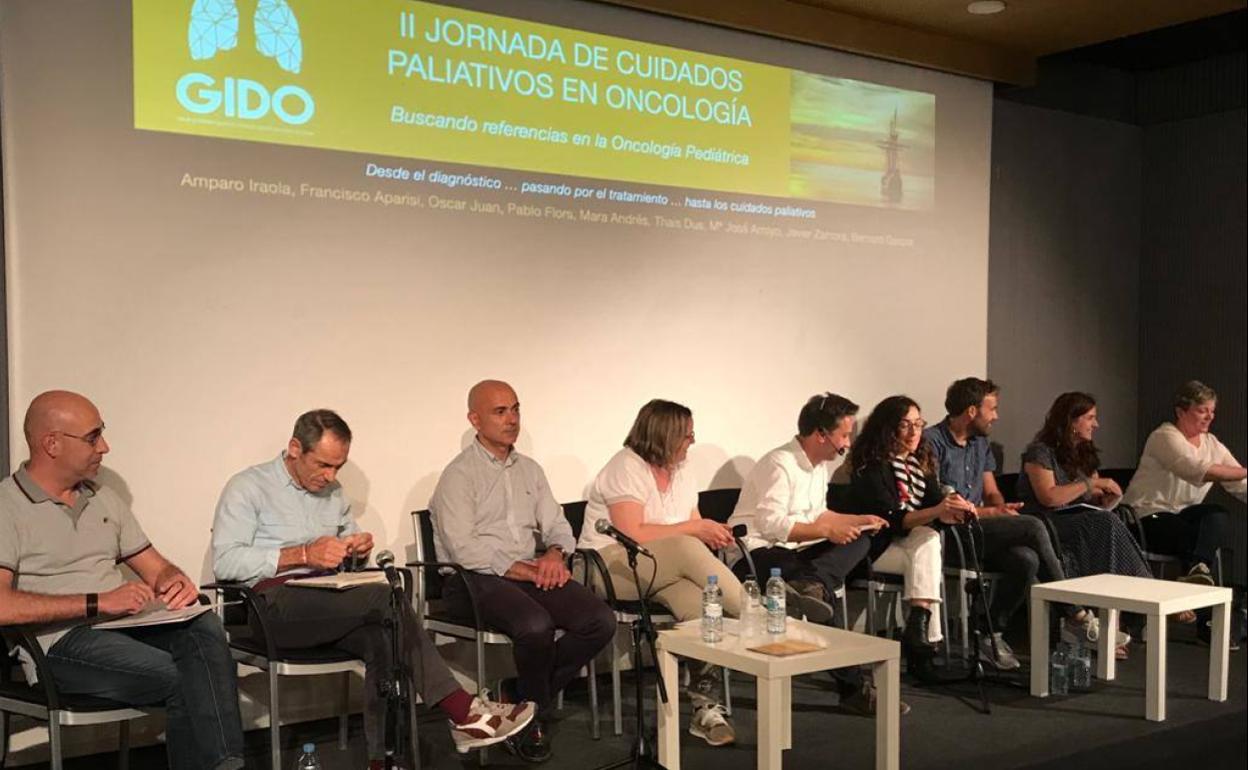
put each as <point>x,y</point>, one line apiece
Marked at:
<point>1094,542</point>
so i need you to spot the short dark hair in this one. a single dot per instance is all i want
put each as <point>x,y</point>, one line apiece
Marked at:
<point>824,412</point>
<point>1193,393</point>
<point>310,426</point>
<point>968,392</point>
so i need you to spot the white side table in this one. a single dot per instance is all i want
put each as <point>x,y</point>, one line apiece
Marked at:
<point>775,686</point>
<point>1154,599</point>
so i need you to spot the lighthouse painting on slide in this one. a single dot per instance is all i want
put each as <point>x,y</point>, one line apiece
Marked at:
<point>862,143</point>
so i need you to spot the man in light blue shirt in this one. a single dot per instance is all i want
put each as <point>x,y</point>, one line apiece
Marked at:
<point>287,517</point>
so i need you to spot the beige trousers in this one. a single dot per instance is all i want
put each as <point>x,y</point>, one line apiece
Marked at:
<point>679,570</point>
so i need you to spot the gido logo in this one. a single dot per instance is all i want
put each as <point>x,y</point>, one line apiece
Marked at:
<point>244,99</point>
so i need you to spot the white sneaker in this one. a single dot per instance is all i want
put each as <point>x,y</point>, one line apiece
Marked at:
<point>490,722</point>
<point>711,725</point>
<point>1088,631</point>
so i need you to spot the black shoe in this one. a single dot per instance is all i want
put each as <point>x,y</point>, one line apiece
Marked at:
<point>533,743</point>
<point>919,653</point>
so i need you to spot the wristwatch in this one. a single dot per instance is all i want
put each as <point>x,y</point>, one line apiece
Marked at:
<point>93,605</point>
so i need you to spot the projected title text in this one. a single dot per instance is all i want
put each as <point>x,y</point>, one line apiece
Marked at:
<point>645,74</point>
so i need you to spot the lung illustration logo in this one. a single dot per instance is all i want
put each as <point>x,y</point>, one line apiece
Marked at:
<point>214,27</point>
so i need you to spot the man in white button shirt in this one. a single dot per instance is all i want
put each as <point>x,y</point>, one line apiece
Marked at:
<point>783,506</point>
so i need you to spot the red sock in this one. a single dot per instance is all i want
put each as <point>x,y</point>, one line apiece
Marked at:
<point>456,706</point>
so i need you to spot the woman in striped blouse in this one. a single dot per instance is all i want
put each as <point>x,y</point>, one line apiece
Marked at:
<point>893,475</point>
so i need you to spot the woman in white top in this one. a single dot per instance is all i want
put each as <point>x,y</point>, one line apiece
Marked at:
<point>646,492</point>
<point>1181,461</point>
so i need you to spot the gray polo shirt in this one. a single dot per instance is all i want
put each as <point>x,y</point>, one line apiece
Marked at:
<point>54,548</point>
<point>489,514</point>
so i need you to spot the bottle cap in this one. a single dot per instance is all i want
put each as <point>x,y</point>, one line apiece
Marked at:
<point>712,579</point>
<point>775,572</point>
<point>308,748</point>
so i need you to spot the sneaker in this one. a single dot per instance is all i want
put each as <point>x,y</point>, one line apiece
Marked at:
<point>1199,573</point>
<point>711,725</point>
<point>1004,658</point>
<point>807,601</point>
<point>863,701</point>
<point>1088,631</point>
<point>489,723</point>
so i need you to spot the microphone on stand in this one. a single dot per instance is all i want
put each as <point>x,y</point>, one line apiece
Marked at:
<point>385,560</point>
<point>604,527</point>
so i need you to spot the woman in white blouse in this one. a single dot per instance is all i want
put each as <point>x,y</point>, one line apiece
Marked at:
<point>1181,461</point>
<point>646,492</point>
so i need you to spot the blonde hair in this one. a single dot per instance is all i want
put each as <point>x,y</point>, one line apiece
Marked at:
<point>658,430</point>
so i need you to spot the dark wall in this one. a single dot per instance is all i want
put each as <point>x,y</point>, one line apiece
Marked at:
<point>1118,221</point>
<point>1063,262</point>
<point>1193,281</point>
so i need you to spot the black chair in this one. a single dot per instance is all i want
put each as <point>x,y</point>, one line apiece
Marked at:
<point>251,643</point>
<point>436,617</point>
<point>43,701</point>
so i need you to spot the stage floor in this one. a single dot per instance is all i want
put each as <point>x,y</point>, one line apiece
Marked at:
<point>1103,728</point>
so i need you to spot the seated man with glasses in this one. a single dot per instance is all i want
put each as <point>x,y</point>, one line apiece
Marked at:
<point>61,539</point>
<point>287,517</point>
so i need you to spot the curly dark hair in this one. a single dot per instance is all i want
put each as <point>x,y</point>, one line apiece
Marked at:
<point>1074,456</point>
<point>880,439</point>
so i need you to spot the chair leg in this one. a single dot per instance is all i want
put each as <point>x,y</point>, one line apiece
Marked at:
<point>594,732</point>
<point>870,610</point>
<point>727,690</point>
<point>844,610</point>
<point>54,739</point>
<point>123,745</point>
<point>615,690</point>
<point>483,754</point>
<point>275,724</point>
<point>344,714</point>
<point>559,701</point>
<point>964,615</point>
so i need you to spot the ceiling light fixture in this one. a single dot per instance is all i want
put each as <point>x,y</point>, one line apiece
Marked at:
<point>985,7</point>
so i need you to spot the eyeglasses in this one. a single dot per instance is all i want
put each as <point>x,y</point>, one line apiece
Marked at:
<point>92,438</point>
<point>911,426</point>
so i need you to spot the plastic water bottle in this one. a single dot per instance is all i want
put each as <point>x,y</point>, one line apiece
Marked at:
<point>776,616</point>
<point>752,613</point>
<point>1059,671</point>
<point>308,760</point>
<point>1080,667</point>
<point>712,611</point>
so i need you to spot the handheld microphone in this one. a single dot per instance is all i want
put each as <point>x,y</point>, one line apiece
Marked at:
<point>739,531</point>
<point>603,527</point>
<point>948,491</point>
<point>385,560</point>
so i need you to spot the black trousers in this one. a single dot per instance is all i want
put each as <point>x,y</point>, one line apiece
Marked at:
<point>1194,534</point>
<point>530,616</point>
<point>825,562</point>
<point>353,621</point>
<point>1018,547</point>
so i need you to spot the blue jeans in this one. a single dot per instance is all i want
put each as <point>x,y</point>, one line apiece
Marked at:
<point>186,667</point>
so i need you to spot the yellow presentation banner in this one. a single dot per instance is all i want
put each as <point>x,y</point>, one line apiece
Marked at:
<point>418,80</point>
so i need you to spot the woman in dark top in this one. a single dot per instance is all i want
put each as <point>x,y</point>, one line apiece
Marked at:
<point>1059,473</point>
<point>893,475</point>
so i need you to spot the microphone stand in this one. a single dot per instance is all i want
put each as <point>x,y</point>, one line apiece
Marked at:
<point>643,754</point>
<point>400,721</point>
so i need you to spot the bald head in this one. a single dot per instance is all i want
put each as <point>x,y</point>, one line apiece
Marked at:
<point>58,410</point>
<point>66,438</point>
<point>488,391</point>
<point>494,411</point>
